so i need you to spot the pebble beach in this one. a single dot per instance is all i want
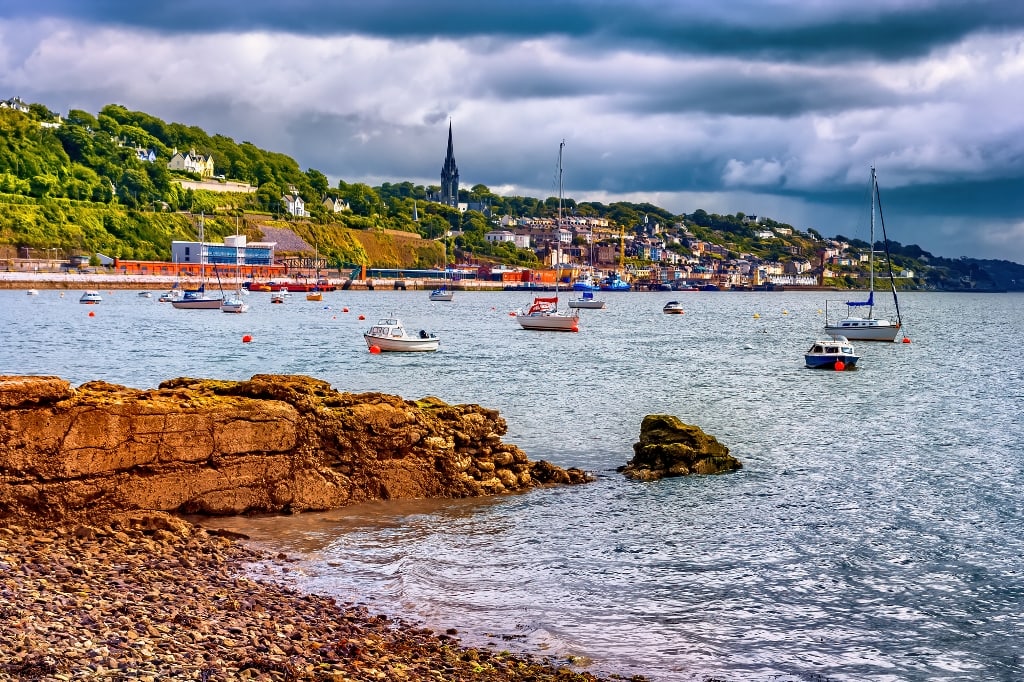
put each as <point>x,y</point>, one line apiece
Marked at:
<point>154,597</point>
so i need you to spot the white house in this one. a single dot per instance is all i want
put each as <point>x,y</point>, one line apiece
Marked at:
<point>294,204</point>
<point>336,205</point>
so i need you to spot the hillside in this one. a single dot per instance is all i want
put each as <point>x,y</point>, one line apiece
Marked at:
<point>81,184</point>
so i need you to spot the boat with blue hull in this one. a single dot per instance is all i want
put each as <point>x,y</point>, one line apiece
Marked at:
<point>835,353</point>
<point>615,283</point>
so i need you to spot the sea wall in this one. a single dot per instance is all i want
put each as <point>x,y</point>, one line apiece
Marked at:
<point>270,444</point>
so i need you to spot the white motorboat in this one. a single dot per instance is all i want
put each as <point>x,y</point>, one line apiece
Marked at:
<point>673,308</point>
<point>389,334</point>
<point>33,292</point>
<point>145,294</point>
<point>836,353</point>
<point>91,297</point>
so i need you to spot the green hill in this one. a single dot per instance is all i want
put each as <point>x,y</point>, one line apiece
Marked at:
<point>79,185</point>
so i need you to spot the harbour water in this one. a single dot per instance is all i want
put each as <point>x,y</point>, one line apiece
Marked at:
<point>875,532</point>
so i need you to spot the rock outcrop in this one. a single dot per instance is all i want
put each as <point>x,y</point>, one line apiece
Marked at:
<point>668,447</point>
<point>270,444</point>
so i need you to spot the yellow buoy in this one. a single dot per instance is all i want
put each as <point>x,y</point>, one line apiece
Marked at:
<point>757,316</point>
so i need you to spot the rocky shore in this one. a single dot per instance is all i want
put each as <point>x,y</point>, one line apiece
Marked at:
<point>149,596</point>
<point>100,580</point>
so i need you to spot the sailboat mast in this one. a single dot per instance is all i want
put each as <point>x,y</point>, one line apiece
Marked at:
<point>888,259</point>
<point>558,226</point>
<point>871,254</point>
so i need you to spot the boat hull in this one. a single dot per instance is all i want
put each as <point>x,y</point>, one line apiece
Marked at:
<point>442,295</point>
<point>829,361</point>
<point>549,322</point>
<point>198,304</point>
<point>864,329</point>
<point>583,303</point>
<point>402,345</point>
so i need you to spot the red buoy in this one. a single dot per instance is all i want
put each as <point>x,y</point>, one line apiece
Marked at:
<point>840,365</point>
<point>344,310</point>
<point>247,338</point>
<point>361,317</point>
<point>375,350</point>
<point>92,313</point>
<point>906,340</point>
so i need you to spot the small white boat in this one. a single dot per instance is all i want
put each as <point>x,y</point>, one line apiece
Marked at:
<point>543,315</point>
<point>171,295</point>
<point>32,292</point>
<point>673,308</point>
<point>834,353</point>
<point>442,294</point>
<point>280,296</point>
<point>234,304</point>
<point>91,297</point>
<point>389,334</point>
<point>587,300</point>
<point>145,294</point>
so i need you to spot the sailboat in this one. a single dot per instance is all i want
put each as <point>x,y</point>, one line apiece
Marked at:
<point>443,293</point>
<point>543,313</point>
<point>197,299</point>
<point>869,327</point>
<point>235,303</point>
<point>586,285</point>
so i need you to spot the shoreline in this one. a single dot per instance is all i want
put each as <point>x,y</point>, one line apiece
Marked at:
<point>152,596</point>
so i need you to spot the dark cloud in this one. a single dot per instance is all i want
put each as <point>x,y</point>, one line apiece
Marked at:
<point>885,31</point>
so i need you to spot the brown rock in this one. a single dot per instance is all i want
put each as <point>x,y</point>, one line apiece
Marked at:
<point>668,447</point>
<point>270,444</point>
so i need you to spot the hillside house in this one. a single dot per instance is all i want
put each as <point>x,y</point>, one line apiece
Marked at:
<point>294,205</point>
<point>192,162</point>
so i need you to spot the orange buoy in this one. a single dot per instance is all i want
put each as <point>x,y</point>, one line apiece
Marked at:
<point>906,340</point>
<point>247,338</point>
<point>840,365</point>
<point>92,313</point>
<point>375,350</point>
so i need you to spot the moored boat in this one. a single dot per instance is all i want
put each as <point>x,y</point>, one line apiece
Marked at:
<point>869,326</point>
<point>673,308</point>
<point>836,353</point>
<point>543,315</point>
<point>91,297</point>
<point>587,300</point>
<point>389,334</point>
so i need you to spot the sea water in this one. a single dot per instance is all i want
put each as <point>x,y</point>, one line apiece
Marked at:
<point>875,531</point>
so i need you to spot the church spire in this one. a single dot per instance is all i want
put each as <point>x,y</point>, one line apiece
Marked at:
<point>450,175</point>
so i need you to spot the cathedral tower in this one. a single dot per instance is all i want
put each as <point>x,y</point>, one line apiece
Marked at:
<point>450,175</point>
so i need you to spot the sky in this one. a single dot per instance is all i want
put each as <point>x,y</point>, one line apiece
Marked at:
<point>775,108</point>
